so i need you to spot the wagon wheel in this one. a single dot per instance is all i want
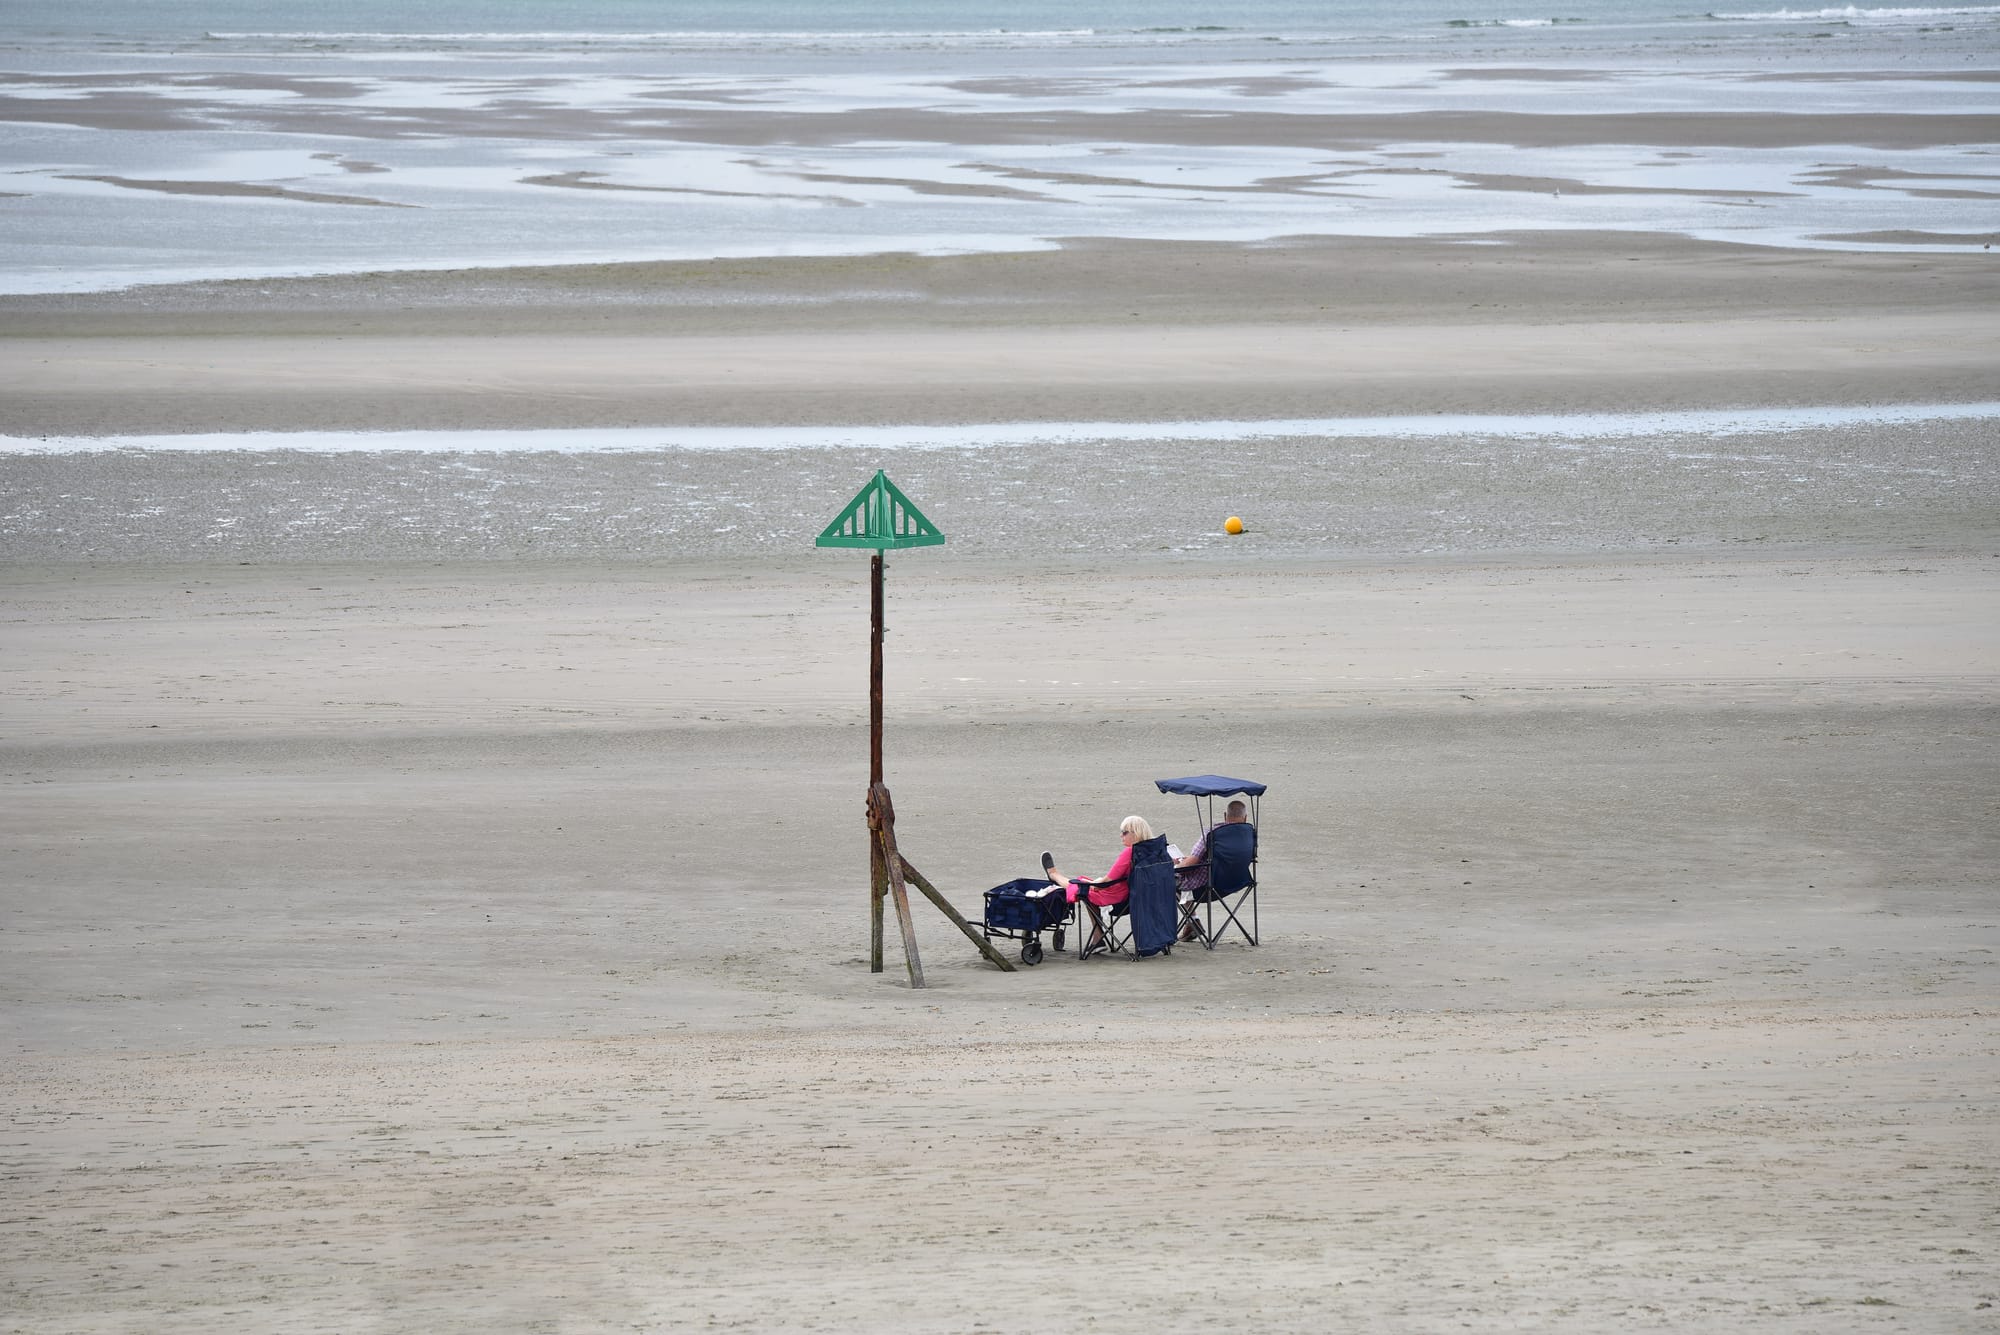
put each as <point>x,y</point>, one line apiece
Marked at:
<point>1059,938</point>
<point>1031,950</point>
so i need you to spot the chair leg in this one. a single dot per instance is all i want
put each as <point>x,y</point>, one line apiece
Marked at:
<point>1187,920</point>
<point>1090,927</point>
<point>1231,915</point>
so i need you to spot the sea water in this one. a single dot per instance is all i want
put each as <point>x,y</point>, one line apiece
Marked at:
<point>150,142</point>
<point>910,24</point>
<point>1584,431</point>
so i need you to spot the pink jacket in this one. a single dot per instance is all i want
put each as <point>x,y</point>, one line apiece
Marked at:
<point>1121,867</point>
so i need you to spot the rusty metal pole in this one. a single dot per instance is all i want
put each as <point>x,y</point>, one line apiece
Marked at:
<point>881,517</point>
<point>878,867</point>
<point>875,676</point>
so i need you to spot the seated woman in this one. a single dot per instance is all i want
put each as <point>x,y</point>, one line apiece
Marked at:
<point>1107,889</point>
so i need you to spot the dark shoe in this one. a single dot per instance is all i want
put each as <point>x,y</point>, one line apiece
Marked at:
<point>1096,947</point>
<point>1049,865</point>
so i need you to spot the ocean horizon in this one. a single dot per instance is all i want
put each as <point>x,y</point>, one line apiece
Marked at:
<point>761,24</point>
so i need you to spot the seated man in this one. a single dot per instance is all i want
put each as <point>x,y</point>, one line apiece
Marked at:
<point>1192,870</point>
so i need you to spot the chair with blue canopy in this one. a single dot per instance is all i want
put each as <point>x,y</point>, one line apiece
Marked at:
<point>1230,857</point>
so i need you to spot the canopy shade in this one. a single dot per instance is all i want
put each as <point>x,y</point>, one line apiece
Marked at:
<point>1210,785</point>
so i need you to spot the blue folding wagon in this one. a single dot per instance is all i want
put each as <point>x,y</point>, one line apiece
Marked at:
<point>1022,910</point>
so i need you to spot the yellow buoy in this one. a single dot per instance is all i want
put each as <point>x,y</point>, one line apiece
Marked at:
<point>1232,525</point>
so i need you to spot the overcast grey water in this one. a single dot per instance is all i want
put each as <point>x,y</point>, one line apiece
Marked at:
<point>149,143</point>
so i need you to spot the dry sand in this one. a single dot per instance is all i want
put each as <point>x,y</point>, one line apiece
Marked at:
<point>413,946</point>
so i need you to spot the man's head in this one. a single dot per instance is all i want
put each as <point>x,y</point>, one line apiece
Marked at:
<point>1236,813</point>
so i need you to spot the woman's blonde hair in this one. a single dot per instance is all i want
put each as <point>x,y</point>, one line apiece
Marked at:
<point>1136,827</point>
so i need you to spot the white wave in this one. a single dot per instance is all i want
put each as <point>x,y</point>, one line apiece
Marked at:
<point>1859,14</point>
<point>690,40</point>
<point>674,35</point>
<point>626,440</point>
<point>1511,23</point>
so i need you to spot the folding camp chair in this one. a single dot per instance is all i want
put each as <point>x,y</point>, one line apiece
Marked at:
<point>1145,923</point>
<point>1231,858</point>
<point>1232,884</point>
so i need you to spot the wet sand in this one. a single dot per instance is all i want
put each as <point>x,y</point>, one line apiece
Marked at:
<point>1091,332</point>
<point>108,107</point>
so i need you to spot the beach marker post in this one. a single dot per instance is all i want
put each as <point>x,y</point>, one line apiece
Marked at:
<point>881,518</point>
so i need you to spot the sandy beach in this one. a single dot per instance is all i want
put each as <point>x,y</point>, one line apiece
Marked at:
<point>475,947</point>
<point>417,945</point>
<point>435,879</point>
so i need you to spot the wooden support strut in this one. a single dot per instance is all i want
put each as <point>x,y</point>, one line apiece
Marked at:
<point>878,891</point>
<point>972,933</point>
<point>882,821</point>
